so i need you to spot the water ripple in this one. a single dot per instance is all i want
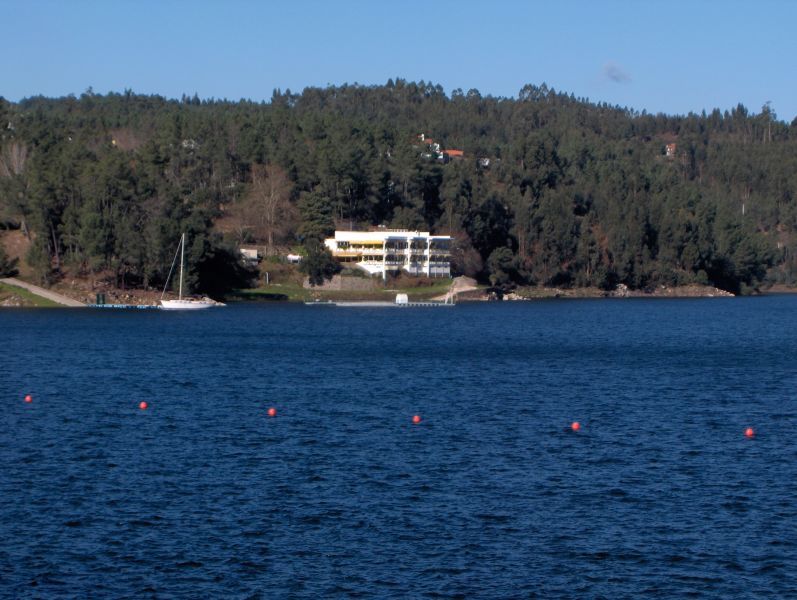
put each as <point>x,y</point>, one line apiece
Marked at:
<point>492,495</point>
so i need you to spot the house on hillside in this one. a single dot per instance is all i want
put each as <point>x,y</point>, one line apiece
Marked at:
<point>452,154</point>
<point>249,254</point>
<point>435,150</point>
<point>393,250</point>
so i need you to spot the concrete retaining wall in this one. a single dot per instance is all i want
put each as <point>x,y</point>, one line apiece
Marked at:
<point>348,283</point>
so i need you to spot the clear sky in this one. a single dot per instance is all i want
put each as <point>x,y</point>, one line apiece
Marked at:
<point>662,56</point>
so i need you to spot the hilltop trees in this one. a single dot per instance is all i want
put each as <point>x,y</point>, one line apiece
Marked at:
<point>550,189</point>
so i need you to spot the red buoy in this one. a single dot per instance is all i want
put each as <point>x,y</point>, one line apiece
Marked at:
<point>749,432</point>
<point>143,405</point>
<point>272,412</point>
<point>416,419</point>
<point>28,398</point>
<point>575,426</point>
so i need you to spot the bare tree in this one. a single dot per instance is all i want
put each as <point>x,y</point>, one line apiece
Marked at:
<point>13,159</point>
<point>267,207</point>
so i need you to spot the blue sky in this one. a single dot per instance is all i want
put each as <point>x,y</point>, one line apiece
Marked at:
<point>674,57</point>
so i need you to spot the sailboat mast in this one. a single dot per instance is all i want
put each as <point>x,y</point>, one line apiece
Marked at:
<point>182,260</point>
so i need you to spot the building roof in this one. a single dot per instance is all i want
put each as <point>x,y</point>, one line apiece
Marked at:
<point>385,234</point>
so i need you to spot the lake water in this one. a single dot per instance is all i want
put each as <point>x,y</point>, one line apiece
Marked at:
<point>660,494</point>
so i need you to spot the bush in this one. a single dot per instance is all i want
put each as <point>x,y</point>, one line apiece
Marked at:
<point>319,265</point>
<point>8,266</point>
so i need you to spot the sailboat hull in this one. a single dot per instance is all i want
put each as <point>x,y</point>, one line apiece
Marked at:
<point>185,304</point>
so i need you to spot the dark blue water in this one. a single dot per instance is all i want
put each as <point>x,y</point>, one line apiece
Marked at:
<point>659,495</point>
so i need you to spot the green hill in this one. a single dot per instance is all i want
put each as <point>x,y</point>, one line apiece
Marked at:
<point>545,189</point>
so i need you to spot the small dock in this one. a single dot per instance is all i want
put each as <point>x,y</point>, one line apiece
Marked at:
<point>401,301</point>
<point>390,304</point>
<point>364,304</point>
<point>101,303</point>
<point>426,304</point>
<point>126,306</point>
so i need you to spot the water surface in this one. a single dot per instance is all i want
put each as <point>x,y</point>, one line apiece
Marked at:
<point>659,494</point>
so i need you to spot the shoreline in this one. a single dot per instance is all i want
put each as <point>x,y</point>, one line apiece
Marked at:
<point>622,291</point>
<point>462,293</point>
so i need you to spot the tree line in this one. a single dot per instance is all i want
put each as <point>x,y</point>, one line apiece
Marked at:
<point>549,189</point>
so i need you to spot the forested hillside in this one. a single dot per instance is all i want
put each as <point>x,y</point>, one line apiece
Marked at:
<point>548,189</point>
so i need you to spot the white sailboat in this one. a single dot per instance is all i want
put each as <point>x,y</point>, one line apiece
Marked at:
<point>183,303</point>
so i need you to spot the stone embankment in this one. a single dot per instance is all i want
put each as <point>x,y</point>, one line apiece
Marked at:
<point>339,283</point>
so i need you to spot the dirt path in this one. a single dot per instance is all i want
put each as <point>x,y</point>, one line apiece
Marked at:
<point>40,291</point>
<point>459,285</point>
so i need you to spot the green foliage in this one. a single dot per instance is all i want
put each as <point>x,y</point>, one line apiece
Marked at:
<point>220,270</point>
<point>318,264</point>
<point>551,189</point>
<point>316,213</point>
<point>38,259</point>
<point>501,265</point>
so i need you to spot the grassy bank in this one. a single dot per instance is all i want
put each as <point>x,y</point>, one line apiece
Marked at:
<point>293,292</point>
<point>26,298</point>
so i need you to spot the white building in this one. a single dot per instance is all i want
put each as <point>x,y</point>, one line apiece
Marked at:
<point>251,255</point>
<point>379,252</point>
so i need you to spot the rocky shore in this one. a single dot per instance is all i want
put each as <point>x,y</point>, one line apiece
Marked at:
<point>621,291</point>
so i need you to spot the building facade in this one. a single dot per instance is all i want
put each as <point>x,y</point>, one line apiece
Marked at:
<point>392,250</point>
